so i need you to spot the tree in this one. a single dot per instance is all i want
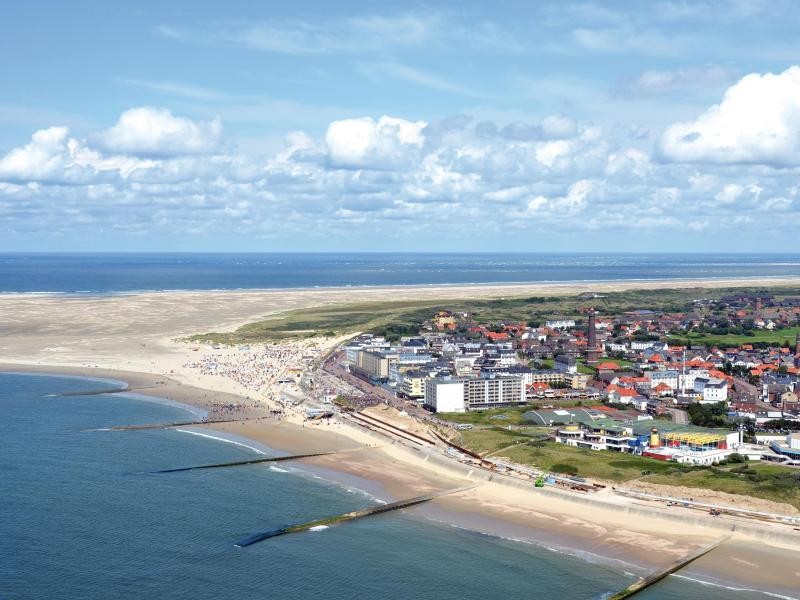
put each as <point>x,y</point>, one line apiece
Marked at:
<point>708,415</point>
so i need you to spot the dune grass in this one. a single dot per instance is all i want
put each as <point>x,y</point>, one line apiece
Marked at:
<point>760,480</point>
<point>775,337</point>
<point>395,319</point>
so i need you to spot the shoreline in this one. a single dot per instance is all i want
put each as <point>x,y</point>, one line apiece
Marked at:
<point>554,522</point>
<point>645,282</point>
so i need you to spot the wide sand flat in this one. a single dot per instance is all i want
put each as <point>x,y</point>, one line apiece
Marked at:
<point>136,332</point>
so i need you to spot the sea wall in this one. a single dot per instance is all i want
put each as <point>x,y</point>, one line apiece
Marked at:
<point>764,533</point>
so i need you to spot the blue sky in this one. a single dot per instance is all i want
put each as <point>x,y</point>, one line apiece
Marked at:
<point>521,126</point>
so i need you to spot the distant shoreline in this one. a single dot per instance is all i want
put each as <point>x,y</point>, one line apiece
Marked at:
<point>568,285</point>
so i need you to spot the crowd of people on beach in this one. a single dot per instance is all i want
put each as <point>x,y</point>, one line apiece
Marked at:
<point>255,368</point>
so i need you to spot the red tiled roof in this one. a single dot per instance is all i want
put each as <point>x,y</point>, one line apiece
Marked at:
<point>608,366</point>
<point>496,336</point>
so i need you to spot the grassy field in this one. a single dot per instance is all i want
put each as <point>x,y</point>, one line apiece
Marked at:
<point>500,417</point>
<point>329,321</point>
<point>484,441</point>
<point>760,480</point>
<point>394,319</point>
<point>759,335</point>
<point>596,464</point>
<point>771,482</point>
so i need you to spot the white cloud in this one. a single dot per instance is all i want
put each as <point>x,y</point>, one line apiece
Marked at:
<point>149,131</point>
<point>175,88</point>
<point>654,82</point>
<point>549,152</point>
<point>629,160</point>
<point>367,176</point>
<point>758,121</point>
<point>299,37</point>
<point>559,207</point>
<point>365,143</point>
<point>42,157</point>
<point>382,70</point>
<point>737,193</point>
<point>505,195</point>
<point>730,193</point>
<point>353,35</point>
<point>630,40</point>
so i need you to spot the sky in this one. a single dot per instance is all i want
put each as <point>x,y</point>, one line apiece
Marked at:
<point>660,126</point>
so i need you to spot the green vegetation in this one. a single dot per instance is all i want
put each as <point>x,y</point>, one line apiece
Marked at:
<point>484,441</point>
<point>708,415</point>
<point>776,337</point>
<point>760,480</point>
<point>491,417</point>
<point>395,319</point>
<point>500,417</point>
<point>735,476</point>
<point>781,425</point>
<point>596,464</point>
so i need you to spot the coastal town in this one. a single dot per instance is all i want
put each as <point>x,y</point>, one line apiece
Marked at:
<point>529,399</point>
<point>655,396</point>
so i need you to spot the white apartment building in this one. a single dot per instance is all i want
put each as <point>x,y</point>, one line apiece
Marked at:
<point>445,395</point>
<point>712,389</point>
<point>560,323</point>
<point>639,346</point>
<point>476,393</point>
<point>686,380</point>
<point>669,377</point>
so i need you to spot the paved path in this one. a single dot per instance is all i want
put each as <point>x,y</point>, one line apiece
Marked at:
<point>679,417</point>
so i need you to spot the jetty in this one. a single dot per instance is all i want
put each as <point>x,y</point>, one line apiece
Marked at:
<point>114,390</point>
<point>350,516</point>
<point>646,582</point>
<point>253,461</point>
<point>166,425</point>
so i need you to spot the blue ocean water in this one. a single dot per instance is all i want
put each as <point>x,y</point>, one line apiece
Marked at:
<point>79,518</point>
<point>110,273</point>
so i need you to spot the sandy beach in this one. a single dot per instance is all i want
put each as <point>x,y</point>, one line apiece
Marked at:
<point>136,332</point>
<point>133,338</point>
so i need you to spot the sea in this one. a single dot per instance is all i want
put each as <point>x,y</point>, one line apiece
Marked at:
<point>83,516</point>
<point>125,273</point>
